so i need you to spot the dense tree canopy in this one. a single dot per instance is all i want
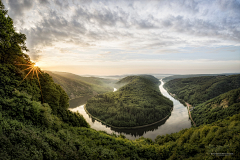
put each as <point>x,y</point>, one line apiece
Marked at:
<point>197,90</point>
<point>138,102</point>
<point>220,107</point>
<point>12,43</point>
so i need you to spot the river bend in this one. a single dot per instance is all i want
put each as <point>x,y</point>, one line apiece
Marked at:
<point>177,121</point>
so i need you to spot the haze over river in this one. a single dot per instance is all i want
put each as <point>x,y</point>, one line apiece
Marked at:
<point>177,121</point>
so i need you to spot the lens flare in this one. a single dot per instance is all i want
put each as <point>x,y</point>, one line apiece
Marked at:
<point>32,67</point>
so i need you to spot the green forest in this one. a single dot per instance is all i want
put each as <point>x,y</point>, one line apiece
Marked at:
<point>213,97</point>
<point>138,102</point>
<point>197,90</point>
<point>77,86</point>
<point>35,122</point>
<point>220,107</point>
<point>166,79</point>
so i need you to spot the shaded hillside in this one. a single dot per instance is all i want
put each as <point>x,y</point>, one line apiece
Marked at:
<point>169,78</point>
<point>76,86</point>
<point>137,103</point>
<point>220,107</point>
<point>197,90</point>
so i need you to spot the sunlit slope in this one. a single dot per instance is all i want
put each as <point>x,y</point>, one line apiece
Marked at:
<point>220,107</point>
<point>197,90</point>
<point>138,102</point>
<point>77,86</point>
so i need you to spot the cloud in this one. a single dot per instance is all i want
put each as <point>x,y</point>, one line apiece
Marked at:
<point>18,8</point>
<point>139,27</point>
<point>44,2</point>
<point>35,55</point>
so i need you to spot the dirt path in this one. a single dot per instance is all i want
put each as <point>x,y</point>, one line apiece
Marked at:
<point>188,105</point>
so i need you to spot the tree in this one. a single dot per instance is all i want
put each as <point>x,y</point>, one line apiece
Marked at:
<point>12,43</point>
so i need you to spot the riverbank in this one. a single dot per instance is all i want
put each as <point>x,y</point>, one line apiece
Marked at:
<point>184,103</point>
<point>137,103</point>
<point>136,127</point>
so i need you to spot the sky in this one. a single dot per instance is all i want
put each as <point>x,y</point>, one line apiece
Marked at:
<point>105,37</point>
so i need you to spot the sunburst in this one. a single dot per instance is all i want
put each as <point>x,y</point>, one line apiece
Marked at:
<point>32,67</point>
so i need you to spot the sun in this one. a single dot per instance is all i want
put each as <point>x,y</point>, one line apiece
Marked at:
<point>32,67</point>
<point>36,65</point>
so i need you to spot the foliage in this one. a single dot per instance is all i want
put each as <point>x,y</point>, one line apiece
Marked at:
<point>199,142</point>
<point>20,99</point>
<point>12,43</point>
<point>169,78</point>
<point>220,107</point>
<point>197,90</point>
<point>137,103</point>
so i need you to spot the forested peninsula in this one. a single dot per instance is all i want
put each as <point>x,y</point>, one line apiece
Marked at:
<point>138,102</point>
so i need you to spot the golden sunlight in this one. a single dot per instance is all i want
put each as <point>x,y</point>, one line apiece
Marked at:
<point>35,65</point>
<point>32,67</point>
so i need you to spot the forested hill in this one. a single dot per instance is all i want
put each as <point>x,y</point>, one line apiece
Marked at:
<point>198,90</point>
<point>77,86</point>
<point>129,79</point>
<point>220,107</point>
<point>169,78</point>
<point>137,103</point>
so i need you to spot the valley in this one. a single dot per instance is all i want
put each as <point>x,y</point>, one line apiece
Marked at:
<point>59,115</point>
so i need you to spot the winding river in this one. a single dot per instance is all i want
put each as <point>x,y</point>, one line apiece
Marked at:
<point>177,121</point>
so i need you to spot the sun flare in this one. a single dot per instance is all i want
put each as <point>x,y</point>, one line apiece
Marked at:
<point>32,67</point>
<point>35,65</point>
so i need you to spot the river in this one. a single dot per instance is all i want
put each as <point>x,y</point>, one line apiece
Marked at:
<point>177,121</point>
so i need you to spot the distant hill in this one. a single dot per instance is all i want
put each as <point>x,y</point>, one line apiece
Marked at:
<point>220,107</point>
<point>87,79</point>
<point>138,102</point>
<point>169,78</point>
<point>197,90</point>
<point>77,86</point>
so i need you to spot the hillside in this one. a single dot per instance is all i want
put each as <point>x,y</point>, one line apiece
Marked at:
<point>169,78</point>
<point>219,140</point>
<point>220,107</point>
<point>197,90</point>
<point>138,102</point>
<point>91,80</point>
<point>76,86</point>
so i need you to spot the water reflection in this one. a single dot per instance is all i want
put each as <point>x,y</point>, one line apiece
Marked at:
<point>178,120</point>
<point>78,101</point>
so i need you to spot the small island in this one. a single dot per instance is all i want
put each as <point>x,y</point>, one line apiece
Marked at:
<point>137,102</point>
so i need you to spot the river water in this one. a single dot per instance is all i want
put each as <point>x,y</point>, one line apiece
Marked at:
<point>177,121</point>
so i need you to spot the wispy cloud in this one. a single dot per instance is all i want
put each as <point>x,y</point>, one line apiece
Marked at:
<point>130,29</point>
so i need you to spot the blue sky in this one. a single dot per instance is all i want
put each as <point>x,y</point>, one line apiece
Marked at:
<point>131,37</point>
